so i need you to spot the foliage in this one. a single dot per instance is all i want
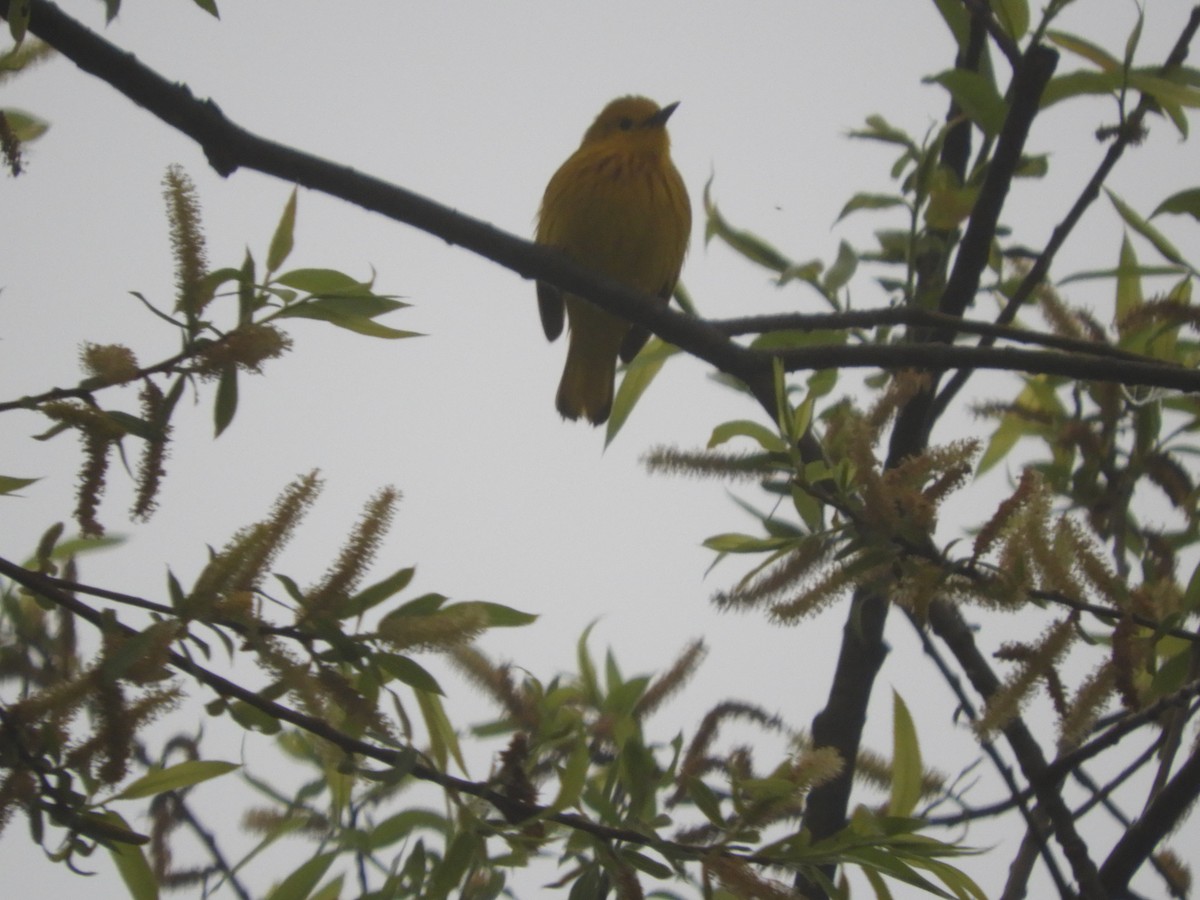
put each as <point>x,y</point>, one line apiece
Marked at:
<point>854,488</point>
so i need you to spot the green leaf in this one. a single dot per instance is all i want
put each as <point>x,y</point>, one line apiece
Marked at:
<point>211,281</point>
<point>10,484</point>
<point>1191,597</point>
<point>955,15</point>
<point>1084,82</point>
<point>977,96</point>
<point>1011,430</point>
<point>400,826</point>
<point>809,272</point>
<point>822,381</point>
<point>1038,397</point>
<point>133,425</point>
<point>1183,203</point>
<point>322,281</point>
<point>1134,38</point>
<point>588,679</point>
<point>209,6</point>
<point>376,593</point>
<point>449,872</point>
<point>1177,116</point>
<point>300,884</point>
<point>743,543</point>
<point>706,801</point>
<point>1172,673</point>
<point>801,419</point>
<point>842,270</point>
<point>794,340</point>
<point>644,863</point>
<point>24,126</point>
<point>1089,51</point>
<point>253,719</point>
<point>950,203</point>
<point>501,616</point>
<point>807,507</point>
<point>892,865</point>
<point>131,863</point>
<point>289,585</point>
<point>414,869</point>
<point>572,777</point>
<point>748,244</point>
<point>1129,282</point>
<point>684,299</point>
<point>878,885</point>
<point>1138,271</point>
<point>638,376</point>
<point>408,671</point>
<point>333,310</point>
<point>1035,166</point>
<point>172,778</point>
<point>225,407</point>
<point>958,881</point>
<point>1146,230</point>
<point>443,742</point>
<point>869,201</point>
<point>1013,16</point>
<point>1164,91</point>
<point>906,761</point>
<point>421,606</point>
<point>878,129</point>
<point>284,238</point>
<point>333,889</point>
<point>766,438</point>
<point>367,306</point>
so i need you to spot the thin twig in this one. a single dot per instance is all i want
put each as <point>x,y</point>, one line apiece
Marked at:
<point>288,631</point>
<point>1041,266</point>
<point>914,317</point>
<point>1158,820</point>
<point>1039,833</point>
<point>512,810</point>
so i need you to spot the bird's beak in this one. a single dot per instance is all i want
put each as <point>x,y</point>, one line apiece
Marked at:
<point>660,118</point>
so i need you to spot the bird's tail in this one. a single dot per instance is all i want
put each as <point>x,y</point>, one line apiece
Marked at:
<point>586,388</point>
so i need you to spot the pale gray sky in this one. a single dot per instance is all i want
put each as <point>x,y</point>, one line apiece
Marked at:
<point>475,104</point>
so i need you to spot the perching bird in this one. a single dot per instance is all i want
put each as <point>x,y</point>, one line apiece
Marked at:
<point>617,205</point>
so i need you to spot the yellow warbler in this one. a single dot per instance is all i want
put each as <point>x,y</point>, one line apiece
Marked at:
<point>618,206</point>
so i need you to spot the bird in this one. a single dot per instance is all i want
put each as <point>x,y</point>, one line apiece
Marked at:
<point>619,206</point>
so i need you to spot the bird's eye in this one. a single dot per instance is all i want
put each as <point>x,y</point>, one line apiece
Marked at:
<point>626,123</point>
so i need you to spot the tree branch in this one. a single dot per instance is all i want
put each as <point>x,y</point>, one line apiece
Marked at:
<point>917,318</point>
<point>1158,820</point>
<point>916,420</point>
<point>230,147</point>
<point>1124,725</point>
<point>1041,267</point>
<point>45,587</point>
<point>1029,80</point>
<point>948,624</point>
<point>939,357</point>
<point>840,722</point>
<point>1036,829</point>
<point>513,810</point>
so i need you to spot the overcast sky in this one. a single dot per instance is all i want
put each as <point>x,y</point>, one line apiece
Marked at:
<point>475,104</point>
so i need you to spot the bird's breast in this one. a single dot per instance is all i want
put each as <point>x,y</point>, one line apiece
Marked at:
<point>621,214</point>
